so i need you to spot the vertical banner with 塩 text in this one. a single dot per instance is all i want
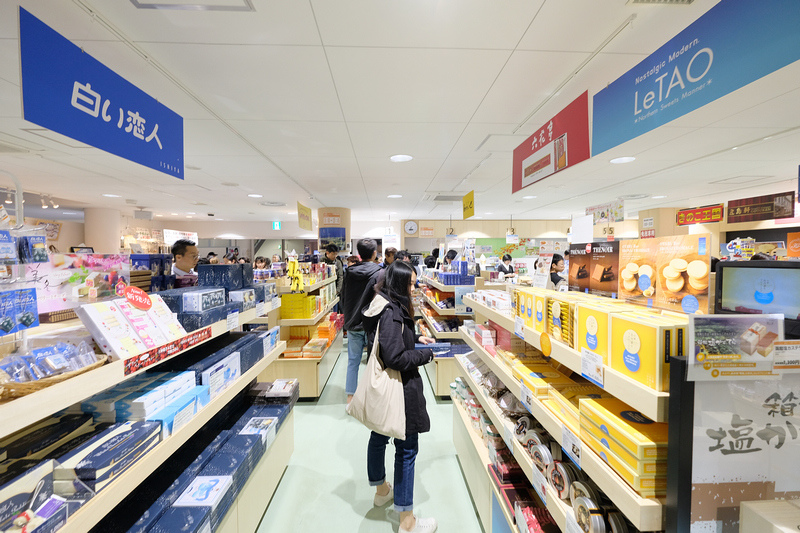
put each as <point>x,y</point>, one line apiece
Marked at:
<point>561,142</point>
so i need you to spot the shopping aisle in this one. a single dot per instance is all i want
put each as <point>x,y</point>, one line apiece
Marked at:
<point>325,485</point>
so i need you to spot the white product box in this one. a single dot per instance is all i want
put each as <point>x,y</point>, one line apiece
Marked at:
<point>110,329</point>
<point>222,375</point>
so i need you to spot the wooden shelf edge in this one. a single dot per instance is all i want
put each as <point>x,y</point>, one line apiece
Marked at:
<point>94,510</point>
<point>445,335</point>
<point>502,320</point>
<point>309,321</point>
<point>442,312</point>
<point>284,289</point>
<point>313,359</point>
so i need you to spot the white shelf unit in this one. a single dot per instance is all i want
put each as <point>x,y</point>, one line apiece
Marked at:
<point>646,514</point>
<point>439,311</point>
<point>286,289</point>
<point>313,372</point>
<point>441,372</point>
<point>441,334</point>
<point>94,510</point>
<point>22,412</point>
<point>651,403</point>
<point>310,321</point>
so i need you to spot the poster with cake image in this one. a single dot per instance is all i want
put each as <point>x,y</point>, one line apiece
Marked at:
<point>666,272</point>
<point>733,347</point>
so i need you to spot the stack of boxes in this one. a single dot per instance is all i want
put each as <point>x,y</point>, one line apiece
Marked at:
<point>160,266</point>
<point>459,275</point>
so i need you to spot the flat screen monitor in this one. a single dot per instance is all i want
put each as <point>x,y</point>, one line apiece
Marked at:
<point>760,287</point>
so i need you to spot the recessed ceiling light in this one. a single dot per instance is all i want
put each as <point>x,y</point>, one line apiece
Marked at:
<point>190,212</point>
<point>395,196</point>
<point>621,160</point>
<point>768,138</point>
<point>528,197</point>
<point>174,214</point>
<point>735,148</point>
<point>659,197</point>
<point>292,212</point>
<point>159,215</point>
<point>255,195</point>
<point>488,213</point>
<point>632,196</point>
<point>400,158</point>
<point>112,195</point>
<point>477,217</point>
<point>392,212</point>
<point>188,216</point>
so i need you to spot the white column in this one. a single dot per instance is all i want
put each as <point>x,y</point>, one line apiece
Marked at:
<point>102,229</point>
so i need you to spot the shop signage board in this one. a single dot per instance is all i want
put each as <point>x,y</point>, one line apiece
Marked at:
<point>761,207</point>
<point>734,43</point>
<point>648,223</point>
<point>68,91</point>
<point>700,215</point>
<point>304,216</point>
<point>468,204</point>
<point>171,235</point>
<point>426,231</point>
<point>608,212</point>
<point>561,142</point>
<point>647,234</point>
<point>391,240</point>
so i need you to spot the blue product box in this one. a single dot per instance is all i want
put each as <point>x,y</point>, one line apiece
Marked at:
<point>26,309</point>
<point>195,321</point>
<point>8,248</point>
<point>155,283</point>
<point>103,479</point>
<point>169,283</point>
<point>8,314</point>
<point>247,275</point>
<point>261,292</point>
<point>251,353</point>
<point>230,307</point>
<point>174,298</point>
<point>32,249</point>
<point>228,276</point>
<point>142,262</point>
<point>184,519</point>
<point>166,264</point>
<point>203,299</point>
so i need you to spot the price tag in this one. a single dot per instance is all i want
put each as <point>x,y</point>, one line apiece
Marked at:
<point>592,367</point>
<point>518,324</point>
<point>572,525</point>
<point>233,320</point>
<point>787,357</point>
<point>526,397</point>
<point>508,436</point>
<point>261,309</point>
<point>539,484</point>
<point>571,445</point>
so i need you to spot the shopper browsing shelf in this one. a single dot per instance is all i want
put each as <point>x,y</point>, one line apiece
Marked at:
<point>505,267</point>
<point>185,256</point>
<point>332,258</point>
<point>390,256</point>
<point>430,261</point>
<point>450,257</point>
<point>355,284</point>
<point>391,307</point>
<point>229,259</point>
<point>556,268</point>
<point>261,263</point>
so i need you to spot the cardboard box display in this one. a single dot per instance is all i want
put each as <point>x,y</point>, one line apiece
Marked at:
<point>642,437</point>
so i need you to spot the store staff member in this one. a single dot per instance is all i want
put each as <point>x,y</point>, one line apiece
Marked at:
<point>506,268</point>
<point>186,256</point>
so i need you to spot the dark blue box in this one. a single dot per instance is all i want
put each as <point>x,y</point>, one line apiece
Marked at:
<point>247,274</point>
<point>228,276</point>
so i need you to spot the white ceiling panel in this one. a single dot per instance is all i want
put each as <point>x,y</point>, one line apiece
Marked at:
<point>255,82</point>
<point>308,169</point>
<point>65,17</point>
<point>211,137</point>
<point>272,22</point>
<point>291,138</point>
<point>412,85</point>
<point>381,140</point>
<point>10,100</point>
<point>481,138</point>
<point>424,24</point>
<point>380,171</point>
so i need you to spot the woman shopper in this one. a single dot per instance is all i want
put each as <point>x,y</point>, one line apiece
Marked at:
<point>392,309</point>
<point>506,268</point>
<point>556,268</point>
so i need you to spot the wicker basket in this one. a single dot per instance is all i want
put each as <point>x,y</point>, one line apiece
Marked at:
<point>9,391</point>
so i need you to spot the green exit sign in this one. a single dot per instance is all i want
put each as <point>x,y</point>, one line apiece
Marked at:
<point>276,225</point>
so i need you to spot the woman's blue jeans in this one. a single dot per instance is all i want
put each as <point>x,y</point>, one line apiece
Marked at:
<point>405,456</point>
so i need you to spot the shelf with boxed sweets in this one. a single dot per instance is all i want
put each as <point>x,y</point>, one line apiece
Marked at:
<point>285,289</point>
<point>91,513</point>
<point>21,412</point>
<point>440,334</point>
<point>313,372</point>
<point>310,321</point>
<point>554,504</point>
<point>645,513</point>
<point>437,309</point>
<point>504,319</point>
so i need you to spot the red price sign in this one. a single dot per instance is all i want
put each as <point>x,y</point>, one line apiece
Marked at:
<point>138,298</point>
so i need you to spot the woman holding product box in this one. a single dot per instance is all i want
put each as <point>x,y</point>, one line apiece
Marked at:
<point>392,309</point>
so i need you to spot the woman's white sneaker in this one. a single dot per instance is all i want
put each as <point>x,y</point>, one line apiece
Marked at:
<point>424,525</point>
<point>380,501</point>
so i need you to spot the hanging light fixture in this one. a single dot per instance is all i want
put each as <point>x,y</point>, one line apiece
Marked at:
<point>52,203</point>
<point>44,204</point>
<point>9,200</point>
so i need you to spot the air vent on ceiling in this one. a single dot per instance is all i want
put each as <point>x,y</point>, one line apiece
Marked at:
<point>442,198</point>
<point>131,201</point>
<point>11,149</point>
<point>273,204</point>
<point>676,2</point>
<point>633,196</point>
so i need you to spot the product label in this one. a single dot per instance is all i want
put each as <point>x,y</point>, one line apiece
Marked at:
<point>787,357</point>
<point>182,417</point>
<point>518,324</point>
<point>592,367</point>
<point>508,436</point>
<point>571,444</point>
<point>261,309</point>
<point>526,397</point>
<point>539,484</point>
<point>572,525</point>
<point>233,320</point>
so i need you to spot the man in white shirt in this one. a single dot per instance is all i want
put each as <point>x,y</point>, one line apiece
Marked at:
<point>186,255</point>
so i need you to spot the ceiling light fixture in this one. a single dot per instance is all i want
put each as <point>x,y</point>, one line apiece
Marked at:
<point>111,195</point>
<point>54,204</point>
<point>188,216</point>
<point>488,213</point>
<point>621,160</point>
<point>174,214</point>
<point>528,197</point>
<point>70,213</point>
<point>395,196</point>
<point>255,196</point>
<point>159,215</point>
<point>400,158</point>
<point>9,200</point>
<point>659,197</point>
<point>735,148</point>
<point>44,204</point>
<point>190,212</point>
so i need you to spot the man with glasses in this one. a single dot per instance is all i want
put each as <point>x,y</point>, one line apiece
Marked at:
<point>186,256</point>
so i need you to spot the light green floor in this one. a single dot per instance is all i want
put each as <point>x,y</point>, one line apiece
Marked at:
<point>325,487</point>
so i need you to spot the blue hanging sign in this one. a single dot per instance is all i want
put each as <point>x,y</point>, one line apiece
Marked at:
<point>733,44</point>
<point>68,91</point>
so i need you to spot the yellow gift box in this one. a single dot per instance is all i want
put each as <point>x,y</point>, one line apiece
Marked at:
<point>540,378</point>
<point>642,437</point>
<point>636,465</point>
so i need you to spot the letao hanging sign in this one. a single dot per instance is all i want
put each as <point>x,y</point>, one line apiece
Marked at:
<point>468,202</point>
<point>68,91</point>
<point>304,216</point>
<point>563,141</point>
<point>700,215</point>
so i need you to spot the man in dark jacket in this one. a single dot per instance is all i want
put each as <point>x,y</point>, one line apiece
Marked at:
<point>331,257</point>
<point>356,280</point>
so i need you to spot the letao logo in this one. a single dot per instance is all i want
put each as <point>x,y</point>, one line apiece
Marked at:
<point>138,298</point>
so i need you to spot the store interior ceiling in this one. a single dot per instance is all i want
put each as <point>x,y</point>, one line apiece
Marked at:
<point>306,100</point>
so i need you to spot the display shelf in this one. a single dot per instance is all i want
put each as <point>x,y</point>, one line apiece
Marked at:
<point>286,289</point>
<point>441,372</point>
<point>651,403</point>
<point>91,513</point>
<point>554,505</point>
<point>264,319</point>
<point>22,412</point>
<point>436,285</point>
<point>646,514</point>
<point>313,372</point>
<point>442,312</point>
<point>309,321</point>
<point>441,334</point>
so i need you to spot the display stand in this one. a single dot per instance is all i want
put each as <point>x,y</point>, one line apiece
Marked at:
<point>313,372</point>
<point>441,312</point>
<point>286,289</point>
<point>440,334</point>
<point>441,371</point>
